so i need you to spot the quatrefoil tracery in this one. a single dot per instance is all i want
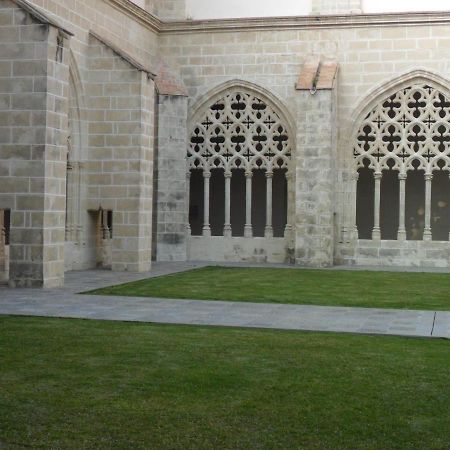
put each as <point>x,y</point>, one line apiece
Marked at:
<point>239,131</point>
<point>408,128</point>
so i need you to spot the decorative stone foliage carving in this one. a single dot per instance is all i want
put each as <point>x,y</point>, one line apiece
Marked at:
<point>239,131</point>
<point>408,130</point>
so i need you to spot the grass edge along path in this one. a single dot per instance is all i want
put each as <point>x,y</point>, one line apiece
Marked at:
<point>373,289</point>
<point>96,384</point>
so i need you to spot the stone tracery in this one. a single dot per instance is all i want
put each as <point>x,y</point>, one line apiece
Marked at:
<point>407,133</point>
<point>239,131</point>
<point>410,125</point>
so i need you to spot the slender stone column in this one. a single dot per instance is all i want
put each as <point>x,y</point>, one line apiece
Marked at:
<point>206,226</point>
<point>401,235</point>
<point>248,230</point>
<point>427,230</point>
<point>227,226</point>
<point>290,205</point>
<point>79,208</point>
<point>106,232</point>
<point>2,242</point>
<point>268,232</point>
<point>69,201</point>
<point>188,201</point>
<point>376,233</point>
<point>351,233</point>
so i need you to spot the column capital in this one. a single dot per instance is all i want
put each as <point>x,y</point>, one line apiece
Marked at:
<point>378,175</point>
<point>269,174</point>
<point>428,176</point>
<point>402,176</point>
<point>227,174</point>
<point>206,174</point>
<point>248,174</point>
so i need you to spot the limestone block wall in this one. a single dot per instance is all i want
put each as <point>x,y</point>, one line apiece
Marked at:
<point>171,186</point>
<point>81,16</point>
<point>168,9</point>
<point>370,57</point>
<point>426,254</point>
<point>121,108</point>
<point>33,134</point>
<point>315,178</point>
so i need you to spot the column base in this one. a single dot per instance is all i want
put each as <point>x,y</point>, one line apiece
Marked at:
<point>268,232</point>
<point>206,231</point>
<point>227,230</point>
<point>401,235</point>
<point>248,231</point>
<point>376,234</point>
<point>427,236</point>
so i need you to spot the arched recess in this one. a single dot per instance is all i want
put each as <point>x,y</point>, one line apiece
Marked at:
<point>76,252</point>
<point>401,152</point>
<point>239,162</point>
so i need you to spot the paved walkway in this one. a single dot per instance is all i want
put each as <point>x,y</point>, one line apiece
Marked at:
<point>66,302</point>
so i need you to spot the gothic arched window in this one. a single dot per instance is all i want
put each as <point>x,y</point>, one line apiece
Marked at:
<point>238,157</point>
<point>402,151</point>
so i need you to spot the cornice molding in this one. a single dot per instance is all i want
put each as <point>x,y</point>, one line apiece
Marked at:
<point>307,22</point>
<point>280,23</point>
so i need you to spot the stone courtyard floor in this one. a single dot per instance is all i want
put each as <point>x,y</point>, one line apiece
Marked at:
<point>66,302</point>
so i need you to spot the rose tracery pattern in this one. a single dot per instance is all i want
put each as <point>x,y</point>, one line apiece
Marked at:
<point>239,131</point>
<point>408,130</point>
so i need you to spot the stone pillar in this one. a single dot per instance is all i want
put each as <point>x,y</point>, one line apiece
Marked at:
<point>206,230</point>
<point>376,233</point>
<point>315,165</point>
<point>401,235</point>
<point>427,229</point>
<point>121,135</point>
<point>248,229</point>
<point>268,232</point>
<point>35,156</point>
<point>171,187</point>
<point>227,232</point>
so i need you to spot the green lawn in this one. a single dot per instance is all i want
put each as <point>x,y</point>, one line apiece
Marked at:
<point>101,385</point>
<point>298,286</point>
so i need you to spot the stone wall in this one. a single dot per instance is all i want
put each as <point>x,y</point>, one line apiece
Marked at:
<point>369,56</point>
<point>315,178</point>
<point>426,254</point>
<point>121,106</point>
<point>170,9</point>
<point>171,187</point>
<point>33,136</point>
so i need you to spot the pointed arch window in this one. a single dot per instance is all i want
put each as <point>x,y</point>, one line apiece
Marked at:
<point>402,151</point>
<point>238,160</point>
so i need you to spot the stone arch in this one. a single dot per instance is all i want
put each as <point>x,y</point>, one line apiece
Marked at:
<point>77,253</point>
<point>401,139</point>
<point>239,128</point>
<point>218,91</point>
<point>77,109</point>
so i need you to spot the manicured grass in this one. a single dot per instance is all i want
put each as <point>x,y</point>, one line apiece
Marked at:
<point>297,286</point>
<point>88,384</point>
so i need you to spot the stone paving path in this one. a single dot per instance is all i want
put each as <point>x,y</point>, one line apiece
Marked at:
<point>65,302</point>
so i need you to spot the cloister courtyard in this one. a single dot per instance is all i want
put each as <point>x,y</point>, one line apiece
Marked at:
<point>252,364</point>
